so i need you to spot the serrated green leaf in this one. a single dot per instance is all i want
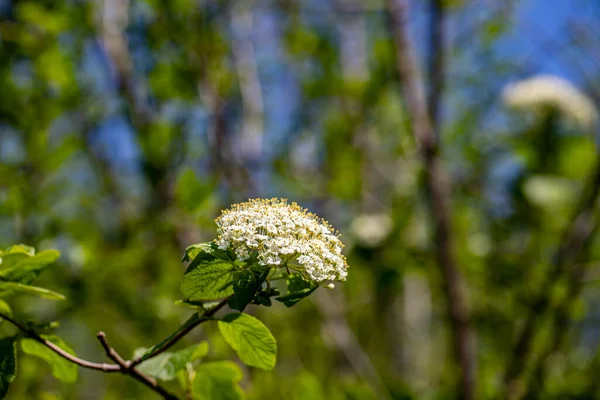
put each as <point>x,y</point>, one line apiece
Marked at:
<point>244,287</point>
<point>24,267</point>
<point>208,280</point>
<point>63,370</point>
<point>14,287</point>
<point>8,363</point>
<point>166,366</point>
<point>298,288</point>
<point>217,381</point>
<point>190,321</point>
<point>251,340</point>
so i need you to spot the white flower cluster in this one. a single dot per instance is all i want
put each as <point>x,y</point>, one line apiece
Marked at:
<point>283,235</point>
<point>548,91</point>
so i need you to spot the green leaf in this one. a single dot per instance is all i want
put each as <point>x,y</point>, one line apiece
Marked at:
<point>263,297</point>
<point>298,288</point>
<point>14,287</point>
<point>244,287</point>
<point>208,251</point>
<point>166,366</point>
<point>24,267</point>
<point>63,370</point>
<point>5,308</point>
<point>8,363</point>
<point>260,272</point>
<point>217,381</point>
<point>251,340</point>
<point>18,249</point>
<point>191,321</point>
<point>208,280</point>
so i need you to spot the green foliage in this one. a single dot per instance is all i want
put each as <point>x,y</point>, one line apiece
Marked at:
<point>297,289</point>
<point>246,284</point>
<point>5,308</point>
<point>8,363</point>
<point>167,365</point>
<point>251,340</point>
<point>244,288</point>
<point>20,265</point>
<point>209,280</point>
<point>217,381</point>
<point>14,287</point>
<point>209,276</point>
<point>201,252</point>
<point>62,369</point>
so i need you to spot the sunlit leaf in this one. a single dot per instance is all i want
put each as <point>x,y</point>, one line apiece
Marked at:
<point>251,340</point>
<point>62,369</point>
<point>208,280</point>
<point>25,267</point>
<point>14,287</point>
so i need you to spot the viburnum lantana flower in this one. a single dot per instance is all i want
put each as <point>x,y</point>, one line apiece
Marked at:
<point>280,234</point>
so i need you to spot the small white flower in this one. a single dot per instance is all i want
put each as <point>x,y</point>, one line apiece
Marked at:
<point>548,91</point>
<point>280,234</point>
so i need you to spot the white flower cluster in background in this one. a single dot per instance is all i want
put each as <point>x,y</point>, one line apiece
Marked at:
<point>371,229</point>
<point>283,235</point>
<point>548,91</point>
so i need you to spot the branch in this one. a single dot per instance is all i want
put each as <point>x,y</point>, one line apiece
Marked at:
<point>438,193</point>
<point>64,354</point>
<point>178,335</point>
<point>127,368</point>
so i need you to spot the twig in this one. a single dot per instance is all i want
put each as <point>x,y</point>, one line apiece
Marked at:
<point>438,194</point>
<point>127,368</point>
<point>180,334</point>
<point>64,354</point>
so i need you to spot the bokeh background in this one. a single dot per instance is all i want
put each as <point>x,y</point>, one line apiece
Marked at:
<point>127,125</point>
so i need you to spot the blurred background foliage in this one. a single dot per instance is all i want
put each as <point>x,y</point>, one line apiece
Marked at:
<point>127,125</point>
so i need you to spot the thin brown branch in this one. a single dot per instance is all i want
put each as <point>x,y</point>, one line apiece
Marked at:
<point>127,369</point>
<point>439,189</point>
<point>180,334</point>
<point>64,354</point>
